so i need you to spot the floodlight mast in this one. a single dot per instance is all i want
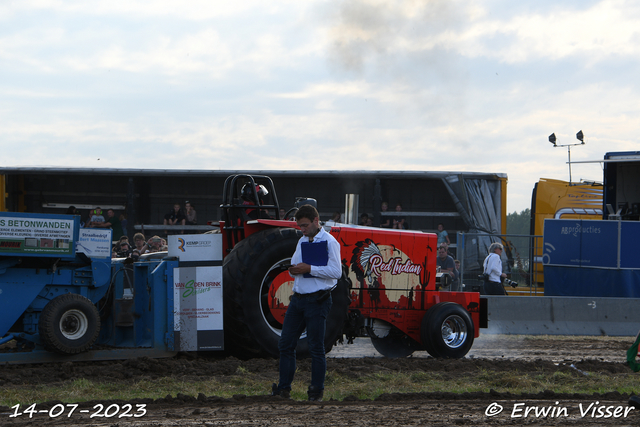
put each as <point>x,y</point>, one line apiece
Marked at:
<point>579,137</point>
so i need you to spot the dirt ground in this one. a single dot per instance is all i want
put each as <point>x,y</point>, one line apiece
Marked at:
<point>497,353</point>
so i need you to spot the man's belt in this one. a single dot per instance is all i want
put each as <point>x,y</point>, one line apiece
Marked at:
<point>311,295</point>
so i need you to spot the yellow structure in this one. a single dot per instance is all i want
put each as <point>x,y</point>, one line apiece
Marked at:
<point>3,189</point>
<point>553,198</point>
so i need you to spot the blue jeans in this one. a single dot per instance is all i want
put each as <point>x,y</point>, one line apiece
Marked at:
<point>304,313</point>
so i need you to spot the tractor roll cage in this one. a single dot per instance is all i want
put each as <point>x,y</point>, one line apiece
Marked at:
<point>234,209</point>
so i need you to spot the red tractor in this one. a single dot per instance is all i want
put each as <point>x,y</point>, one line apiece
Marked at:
<point>388,291</point>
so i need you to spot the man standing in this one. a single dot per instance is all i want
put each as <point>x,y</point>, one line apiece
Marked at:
<point>316,268</point>
<point>113,222</point>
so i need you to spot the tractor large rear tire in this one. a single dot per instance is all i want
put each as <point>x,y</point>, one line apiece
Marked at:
<point>69,324</point>
<point>250,328</point>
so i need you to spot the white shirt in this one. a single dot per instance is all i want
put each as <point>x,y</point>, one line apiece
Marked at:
<point>493,266</point>
<point>325,276</point>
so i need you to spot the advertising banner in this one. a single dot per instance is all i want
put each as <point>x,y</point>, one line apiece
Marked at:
<point>94,243</point>
<point>197,299</point>
<point>581,243</point>
<point>596,258</point>
<point>196,247</point>
<point>36,234</point>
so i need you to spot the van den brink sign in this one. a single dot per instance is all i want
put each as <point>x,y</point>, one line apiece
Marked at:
<point>197,303</point>
<point>197,292</point>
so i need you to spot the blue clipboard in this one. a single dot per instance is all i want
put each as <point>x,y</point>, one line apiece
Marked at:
<point>316,253</point>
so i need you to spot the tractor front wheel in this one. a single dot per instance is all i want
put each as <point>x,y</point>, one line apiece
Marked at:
<point>447,331</point>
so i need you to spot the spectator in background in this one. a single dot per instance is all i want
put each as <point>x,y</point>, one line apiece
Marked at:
<point>175,217</point>
<point>443,236</point>
<point>385,221</point>
<point>336,218</point>
<point>95,218</point>
<point>124,250</point>
<point>72,210</point>
<point>139,242</point>
<point>113,223</point>
<point>190,214</point>
<point>444,245</point>
<point>364,218</point>
<point>398,220</point>
<point>154,244</point>
<point>445,262</point>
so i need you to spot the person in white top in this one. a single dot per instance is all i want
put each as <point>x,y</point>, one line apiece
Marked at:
<point>316,268</point>
<point>493,271</point>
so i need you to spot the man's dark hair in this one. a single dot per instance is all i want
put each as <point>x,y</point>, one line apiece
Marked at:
<point>307,211</point>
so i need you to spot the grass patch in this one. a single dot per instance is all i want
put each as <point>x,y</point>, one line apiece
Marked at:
<point>338,386</point>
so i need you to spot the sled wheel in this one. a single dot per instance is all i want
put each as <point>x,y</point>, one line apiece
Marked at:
<point>390,341</point>
<point>69,324</point>
<point>253,308</point>
<point>447,331</point>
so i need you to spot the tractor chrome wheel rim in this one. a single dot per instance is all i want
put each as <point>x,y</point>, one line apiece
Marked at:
<point>74,324</point>
<point>267,318</point>
<point>454,331</point>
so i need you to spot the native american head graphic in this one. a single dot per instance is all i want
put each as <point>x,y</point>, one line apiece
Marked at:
<point>360,261</point>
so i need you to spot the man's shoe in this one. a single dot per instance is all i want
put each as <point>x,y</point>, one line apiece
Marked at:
<point>276,392</point>
<point>634,401</point>
<point>315,394</point>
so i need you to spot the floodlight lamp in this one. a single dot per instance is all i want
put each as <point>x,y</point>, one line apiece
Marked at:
<point>552,139</point>
<point>580,136</point>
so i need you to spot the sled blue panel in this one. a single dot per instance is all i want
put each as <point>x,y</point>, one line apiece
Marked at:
<point>18,289</point>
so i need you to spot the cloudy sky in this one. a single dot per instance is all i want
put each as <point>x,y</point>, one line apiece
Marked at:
<point>320,84</point>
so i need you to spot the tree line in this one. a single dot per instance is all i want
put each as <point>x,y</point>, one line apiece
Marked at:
<point>519,223</point>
